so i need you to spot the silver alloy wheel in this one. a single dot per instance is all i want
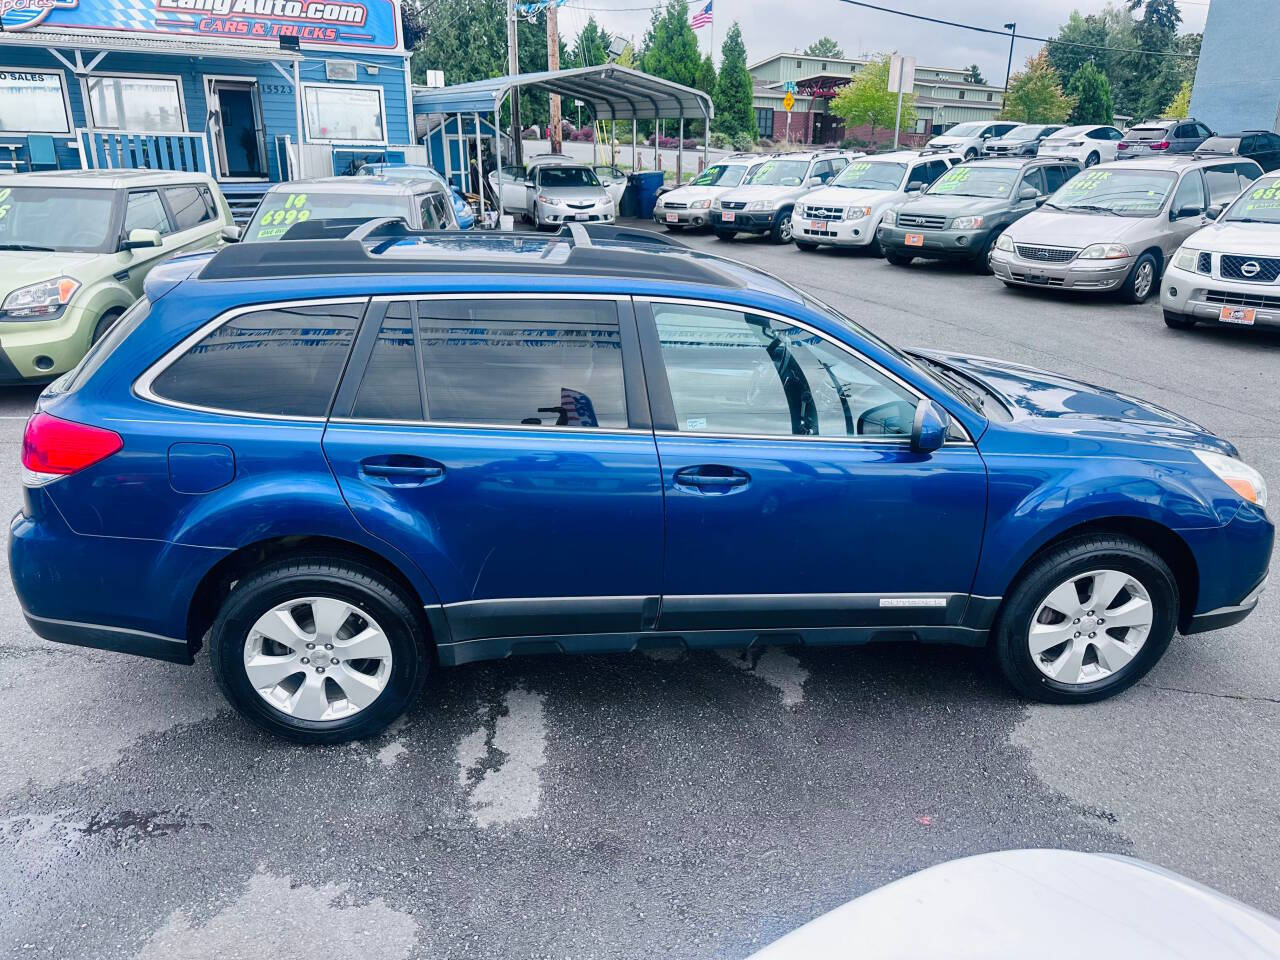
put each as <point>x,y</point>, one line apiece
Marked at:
<point>1145,278</point>
<point>784,229</point>
<point>317,658</point>
<point>1090,627</point>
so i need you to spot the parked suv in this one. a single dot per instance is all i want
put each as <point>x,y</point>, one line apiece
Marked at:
<point>689,205</point>
<point>75,248</point>
<point>1163,136</point>
<point>423,204</point>
<point>1115,226</point>
<point>765,201</point>
<point>347,463</point>
<point>846,212</point>
<point>462,211</point>
<point>960,216</point>
<point>1022,141</point>
<point>967,139</point>
<point>1229,272</point>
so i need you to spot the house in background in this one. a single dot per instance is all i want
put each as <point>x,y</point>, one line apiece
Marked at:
<point>944,97</point>
<point>1237,86</point>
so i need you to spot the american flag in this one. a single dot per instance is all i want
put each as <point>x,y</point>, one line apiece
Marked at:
<point>702,17</point>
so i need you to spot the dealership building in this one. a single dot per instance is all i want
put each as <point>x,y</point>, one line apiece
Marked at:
<point>943,97</point>
<point>250,91</point>
<point>1237,85</point>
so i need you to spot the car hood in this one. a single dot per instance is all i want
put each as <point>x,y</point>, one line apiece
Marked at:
<point>1005,142</point>
<point>948,141</point>
<point>689,194</point>
<point>570,194</point>
<point>1056,228</point>
<point>762,192</point>
<point>1243,239</point>
<point>941,204</point>
<point>18,268</point>
<point>846,196</point>
<point>1052,403</point>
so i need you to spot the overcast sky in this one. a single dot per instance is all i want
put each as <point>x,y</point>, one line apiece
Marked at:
<point>771,26</point>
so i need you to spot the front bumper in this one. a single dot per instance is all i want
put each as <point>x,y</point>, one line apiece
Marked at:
<point>744,221</point>
<point>1225,616</point>
<point>1084,275</point>
<point>836,233</point>
<point>1231,303</point>
<point>554,213</point>
<point>1232,562</point>
<point>36,351</point>
<point>936,244</point>
<point>684,218</point>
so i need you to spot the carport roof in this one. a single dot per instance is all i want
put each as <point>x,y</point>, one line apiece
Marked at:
<point>612,92</point>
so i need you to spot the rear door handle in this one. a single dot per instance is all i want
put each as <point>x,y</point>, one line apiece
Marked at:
<point>400,470</point>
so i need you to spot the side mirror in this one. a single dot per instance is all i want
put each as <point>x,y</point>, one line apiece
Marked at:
<point>812,182</point>
<point>1182,212</point>
<point>1215,211</point>
<point>140,237</point>
<point>915,188</point>
<point>929,429</point>
<point>987,136</point>
<point>1028,193</point>
<point>232,234</point>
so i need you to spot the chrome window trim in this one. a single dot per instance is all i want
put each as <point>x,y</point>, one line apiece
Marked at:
<point>822,335</point>
<point>143,386</point>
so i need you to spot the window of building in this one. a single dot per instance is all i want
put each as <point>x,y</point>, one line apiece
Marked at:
<point>961,94</point>
<point>191,205</point>
<point>740,373</point>
<point>389,388</point>
<point>344,113</point>
<point>550,363</point>
<point>990,96</point>
<point>33,101</point>
<point>764,121</point>
<point>282,361</point>
<point>136,103</point>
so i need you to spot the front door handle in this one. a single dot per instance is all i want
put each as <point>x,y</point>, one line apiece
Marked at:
<point>711,478</point>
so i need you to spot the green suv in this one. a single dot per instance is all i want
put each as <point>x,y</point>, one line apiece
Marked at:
<point>75,247</point>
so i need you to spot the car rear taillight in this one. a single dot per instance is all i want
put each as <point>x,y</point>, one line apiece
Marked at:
<point>1162,145</point>
<point>1122,145</point>
<point>53,447</point>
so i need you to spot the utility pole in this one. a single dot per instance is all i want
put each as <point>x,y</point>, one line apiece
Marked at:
<point>553,63</point>
<point>1013,33</point>
<point>513,68</point>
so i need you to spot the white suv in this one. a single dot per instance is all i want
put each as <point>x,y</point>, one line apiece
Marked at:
<point>764,202</point>
<point>968,139</point>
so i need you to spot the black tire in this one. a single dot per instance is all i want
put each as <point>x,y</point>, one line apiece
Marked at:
<point>875,248</point>
<point>1178,321</point>
<point>806,247</point>
<point>726,235</point>
<point>344,579</point>
<point>898,259</point>
<point>673,227</point>
<point>1092,159</point>
<point>1132,291</point>
<point>971,154</point>
<point>1057,565</point>
<point>105,323</point>
<point>982,262</point>
<point>783,230</point>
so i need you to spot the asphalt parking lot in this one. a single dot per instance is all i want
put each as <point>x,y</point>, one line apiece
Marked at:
<point>632,806</point>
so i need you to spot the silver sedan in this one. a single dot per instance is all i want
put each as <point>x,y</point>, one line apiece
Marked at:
<point>557,193</point>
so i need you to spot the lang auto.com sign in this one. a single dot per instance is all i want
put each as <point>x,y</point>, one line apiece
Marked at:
<point>346,23</point>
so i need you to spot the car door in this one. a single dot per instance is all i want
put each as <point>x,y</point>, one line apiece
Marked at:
<point>504,443</point>
<point>793,499</point>
<point>1186,212</point>
<point>145,210</point>
<point>195,217</point>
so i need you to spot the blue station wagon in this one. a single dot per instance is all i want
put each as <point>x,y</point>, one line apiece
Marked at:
<point>341,463</point>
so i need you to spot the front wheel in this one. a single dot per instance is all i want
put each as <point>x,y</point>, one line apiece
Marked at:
<point>806,247</point>
<point>971,154</point>
<point>1176,321</point>
<point>1088,619</point>
<point>105,323</point>
<point>319,650</point>
<point>898,259</point>
<point>1142,279</point>
<point>782,230</point>
<point>982,262</point>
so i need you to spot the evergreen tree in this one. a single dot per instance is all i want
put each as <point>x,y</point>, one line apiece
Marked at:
<point>591,47</point>
<point>974,74</point>
<point>734,111</point>
<point>1091,90</point>
<point>707,84</point>
<point>825,47</point>
<point>671,46</point>
<point>1035,95</point>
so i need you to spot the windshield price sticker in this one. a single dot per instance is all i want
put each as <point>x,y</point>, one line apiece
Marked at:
<point>860,166</point>
<point>1087,181</point>
<point>950,180</point>
<point>276,222</point>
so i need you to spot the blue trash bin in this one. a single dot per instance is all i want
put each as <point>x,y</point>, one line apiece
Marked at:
<point>647,186</point>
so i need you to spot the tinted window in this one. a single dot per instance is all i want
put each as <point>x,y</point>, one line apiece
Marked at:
<point>1033,179</point>
<point>1189,195</point>
<point>389,389</point>
<point>191,206</point>
<point>739,373</point>
<point>1248,172</point>
<point>530,362</point>
<point>1202,130</point>
<point>283,361</point>
<point>925,173</point>
<point>1056,176</point>
<point>1223,183</point>
<point>145,212</point>
<point>430,213</point>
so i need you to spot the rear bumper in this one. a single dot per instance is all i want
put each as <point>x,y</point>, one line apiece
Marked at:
<point>117,639</point>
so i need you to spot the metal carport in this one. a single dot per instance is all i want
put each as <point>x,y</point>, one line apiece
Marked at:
<point>610,91</point>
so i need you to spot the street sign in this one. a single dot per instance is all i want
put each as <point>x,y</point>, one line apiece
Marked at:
<point>788,102</point>
<point>902,74</point>
<point>789,86</point>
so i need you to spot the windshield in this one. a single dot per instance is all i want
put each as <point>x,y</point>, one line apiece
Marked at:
<point>1126,193</point>
<point>567,177</point>
<point>1219,145</point>
<point>971,129</point>
<point>57,218</point>
<point>1260,203</point>
<point>720,175</point>
<point>282,209</point>
<point>402,173</point>
<point>967,181</point>
<point>871,175</point>
<point>779,173</point>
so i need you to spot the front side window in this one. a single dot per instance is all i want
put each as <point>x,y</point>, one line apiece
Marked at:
<point>144,211</point>
<point>281,209</point>
<point>1188,201</point>
<point>733,372</point>
<point>1125,193</point>
<point>57,218</point>
<point>871,175</point>
<point>191,205</point>
<point>33,101</point>
<point>281,361</point>
<point>136,103</point>
<point>344,114</point>
<point>533,363</point>
<point>1035,180</point>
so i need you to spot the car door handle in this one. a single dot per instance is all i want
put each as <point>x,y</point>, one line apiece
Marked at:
<point>712,478</point>
<point>399,470</point>
<point>390,470</point>
<point>699,481</point>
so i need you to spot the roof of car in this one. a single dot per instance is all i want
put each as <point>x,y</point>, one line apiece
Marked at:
<point>1016,163</point>
<point>373,185</point>
<point>1176,161</point>
<point>113,179</point>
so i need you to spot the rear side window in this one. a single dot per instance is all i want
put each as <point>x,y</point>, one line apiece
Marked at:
<point>191,205</point>
<point>144,211</point>
<point>1223,183</point>
<point>549,363</point>
<point>1056,176</point>
<point>281,361</point>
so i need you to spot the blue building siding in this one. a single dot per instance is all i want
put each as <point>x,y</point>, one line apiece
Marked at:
<point>1237,86</point>
<point>276,92</point>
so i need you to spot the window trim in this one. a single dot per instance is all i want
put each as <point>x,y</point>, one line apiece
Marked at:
<point>647,325</point>
<point>175,78</point>
<point>143,385</point>
<point>66,104</point>
<point>382,112</point>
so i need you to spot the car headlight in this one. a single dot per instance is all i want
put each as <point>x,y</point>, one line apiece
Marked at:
<point>966,223</point>
<point>1004,243</point>
<point>1185,259</point>
<point>762,204</point>
<point>1237,475</point>
<point>715,204</point>
<point>550,201</point>
<point>1105,251</point>
<point>700,205</point>
<point>42,299</point>
<point>856,213</point>
<point>889,219</point>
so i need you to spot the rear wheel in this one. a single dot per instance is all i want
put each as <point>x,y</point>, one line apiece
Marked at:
<point>1142,279</point>
<point>319,650</point>
<point>1177,321</point>
<point>1086,620</point>
<point>1092,159</point>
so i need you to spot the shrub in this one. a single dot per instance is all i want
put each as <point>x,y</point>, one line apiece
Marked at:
<point>719,140</point>
<point>583,134</point>
<point>691,144</point>
<point>743,142</point>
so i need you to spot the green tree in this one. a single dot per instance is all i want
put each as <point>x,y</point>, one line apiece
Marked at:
<point>1180,105</point>
<point>734,111</point>
<point>867,100</point>
<point>1035,95</point>
<point>707,84</point>
<point>591,46</point>
<point>1079,41</point>
<point>974,74</point>
<point>825,47</point>
<point>671,46</point>
<point>1091,90</point>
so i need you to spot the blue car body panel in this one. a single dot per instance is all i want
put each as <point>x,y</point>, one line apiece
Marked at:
<point>587,540</point>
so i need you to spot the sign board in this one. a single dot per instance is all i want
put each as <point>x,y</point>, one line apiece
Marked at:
<point>789,86</point>
<point>367,24</point>
<point>340,70</point>
<point>788,101</point>
<point>902,74</point>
